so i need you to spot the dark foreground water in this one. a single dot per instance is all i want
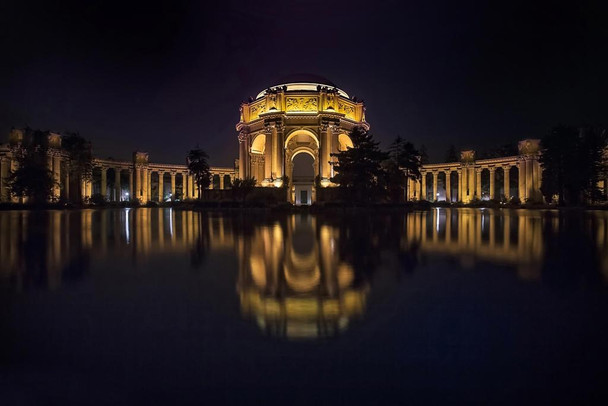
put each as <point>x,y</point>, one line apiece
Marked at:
<point>157,306</point>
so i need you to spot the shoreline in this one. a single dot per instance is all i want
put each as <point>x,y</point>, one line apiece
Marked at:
<point>231,206</point>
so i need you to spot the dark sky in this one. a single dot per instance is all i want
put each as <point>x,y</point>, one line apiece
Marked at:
<point>163,77</point>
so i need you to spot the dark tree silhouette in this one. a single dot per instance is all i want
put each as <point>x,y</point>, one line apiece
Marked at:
<point>32,178</point>
<point>359,171</point>
<point>424,155</point>
<point>572,163</point>
<point>451,154</point>
<point>199,168</point>
<point>79,162</point>
<point>404,163</point>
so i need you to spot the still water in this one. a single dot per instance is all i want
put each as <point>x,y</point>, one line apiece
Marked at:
<point>161,306</point>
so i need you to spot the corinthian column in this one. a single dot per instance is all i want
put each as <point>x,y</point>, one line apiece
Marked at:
<point>492,173</point>
<point>423,191</point>
<point>243,155</point>
<point>507,185</point>
<point>435,178</point>
<point>117,185</point>
<point>448,186</point>
<point>161,190</point>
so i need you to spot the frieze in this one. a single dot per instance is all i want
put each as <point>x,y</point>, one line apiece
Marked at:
<point>302,104</point>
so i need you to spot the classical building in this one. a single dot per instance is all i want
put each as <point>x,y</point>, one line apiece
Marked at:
<point>115,180</point>
<point>476,179</point>
<point>302,114</point>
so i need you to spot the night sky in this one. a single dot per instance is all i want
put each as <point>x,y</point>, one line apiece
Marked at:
<point>163,77</point>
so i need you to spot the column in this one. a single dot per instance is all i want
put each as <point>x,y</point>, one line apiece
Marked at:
<point>57,176</point>
<point>221,181</point>
<point>268,155</point>
<point>522,180</point>
<point>131,196</point>
<point>279,151</point>
<point>459,197</point>
<point>243,155</point>
<point>191,185</point>
<point>435,177</point>
<point>529,178</point>
<point>423,191</point>
<point>67,185</point>
<point>448,186</point>
<point>144,185</point>
<point>478,183</point>
<point>507,185</point>
<point>138,185</point>
<point>149,185</point>
<point>492,173</point>
<point>161,187</point>
<point>104,182</point>
<point>117,186</point>
<point>4,195</point>
<point>173,185</point>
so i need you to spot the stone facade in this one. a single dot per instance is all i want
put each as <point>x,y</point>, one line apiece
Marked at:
<point>293,118</point>
<point>135,179</point>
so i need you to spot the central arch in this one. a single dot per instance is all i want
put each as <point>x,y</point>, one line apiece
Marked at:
<point>300,135</point>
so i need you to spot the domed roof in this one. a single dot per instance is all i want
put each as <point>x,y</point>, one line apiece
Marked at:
<point>303,81</point>
<point>305,78</point>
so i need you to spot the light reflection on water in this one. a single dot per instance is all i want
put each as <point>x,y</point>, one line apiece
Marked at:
<point>298,276</point>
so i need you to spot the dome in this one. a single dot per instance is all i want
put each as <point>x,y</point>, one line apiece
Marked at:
<point>303,81</point>
<point>306,78</point>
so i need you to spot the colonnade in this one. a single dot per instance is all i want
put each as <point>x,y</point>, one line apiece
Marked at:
<point>139,174</point>
<point>469,177</point>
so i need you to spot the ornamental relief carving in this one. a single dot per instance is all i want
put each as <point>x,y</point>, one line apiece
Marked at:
<point>302,104</point>
<point>347,109</point>
<point>256,110</point>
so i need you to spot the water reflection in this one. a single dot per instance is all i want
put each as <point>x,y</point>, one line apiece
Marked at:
<point>303,276</point>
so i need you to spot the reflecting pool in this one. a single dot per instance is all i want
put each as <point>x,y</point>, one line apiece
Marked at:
<point>443,306</point>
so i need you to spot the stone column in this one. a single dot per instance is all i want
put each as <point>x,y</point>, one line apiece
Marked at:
<point>221,181</point>
<point>144,183</point>
<point>192,187</point>
<point>448,186</point>
<point>268,155</point>
<point>104,182</point>
<point>492,174</point>
<point>529,178</point>
<point>459,197</point>
<point>507,185</point>
<point>280,153</point>
<point>478,183</point>
<point>117,185</point>
<point>522,180</point>
<point>149,185</point>
<point>138,185</point>
<point>423,190</point>
<point>435,178</point>
<point>57,176</point>
<point>243,155</point>
<point>161,187</point>
<point>131,196</point>
<point>173,186</point>
<point>3,175</point>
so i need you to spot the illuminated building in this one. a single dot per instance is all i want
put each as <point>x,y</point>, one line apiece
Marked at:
<point>137,179</point>
<point>302,114</point>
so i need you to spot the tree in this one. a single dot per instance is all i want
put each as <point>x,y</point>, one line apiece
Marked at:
<point>79,162</point>
<point>242,187</point>
<point>572,163</point>
<point>199,168</point>
<point>33,178</point>
<point>359,170</point>
<point>424,156</point>
<point>452,155</point>
<point>404,164</point>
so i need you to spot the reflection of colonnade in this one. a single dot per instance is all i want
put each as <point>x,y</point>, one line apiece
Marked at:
<point>462,181</point>
<point>473,234</point>
<point>293,283</point>
<point>114,180</point>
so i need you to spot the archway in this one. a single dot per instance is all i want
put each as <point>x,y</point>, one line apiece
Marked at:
<point>303,175</point>
<point>344,142</point>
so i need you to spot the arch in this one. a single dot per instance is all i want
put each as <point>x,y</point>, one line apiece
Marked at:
<point>303,150</point>
<point>301,131</point>
<point>258,145</point>
<point>344,142</point>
